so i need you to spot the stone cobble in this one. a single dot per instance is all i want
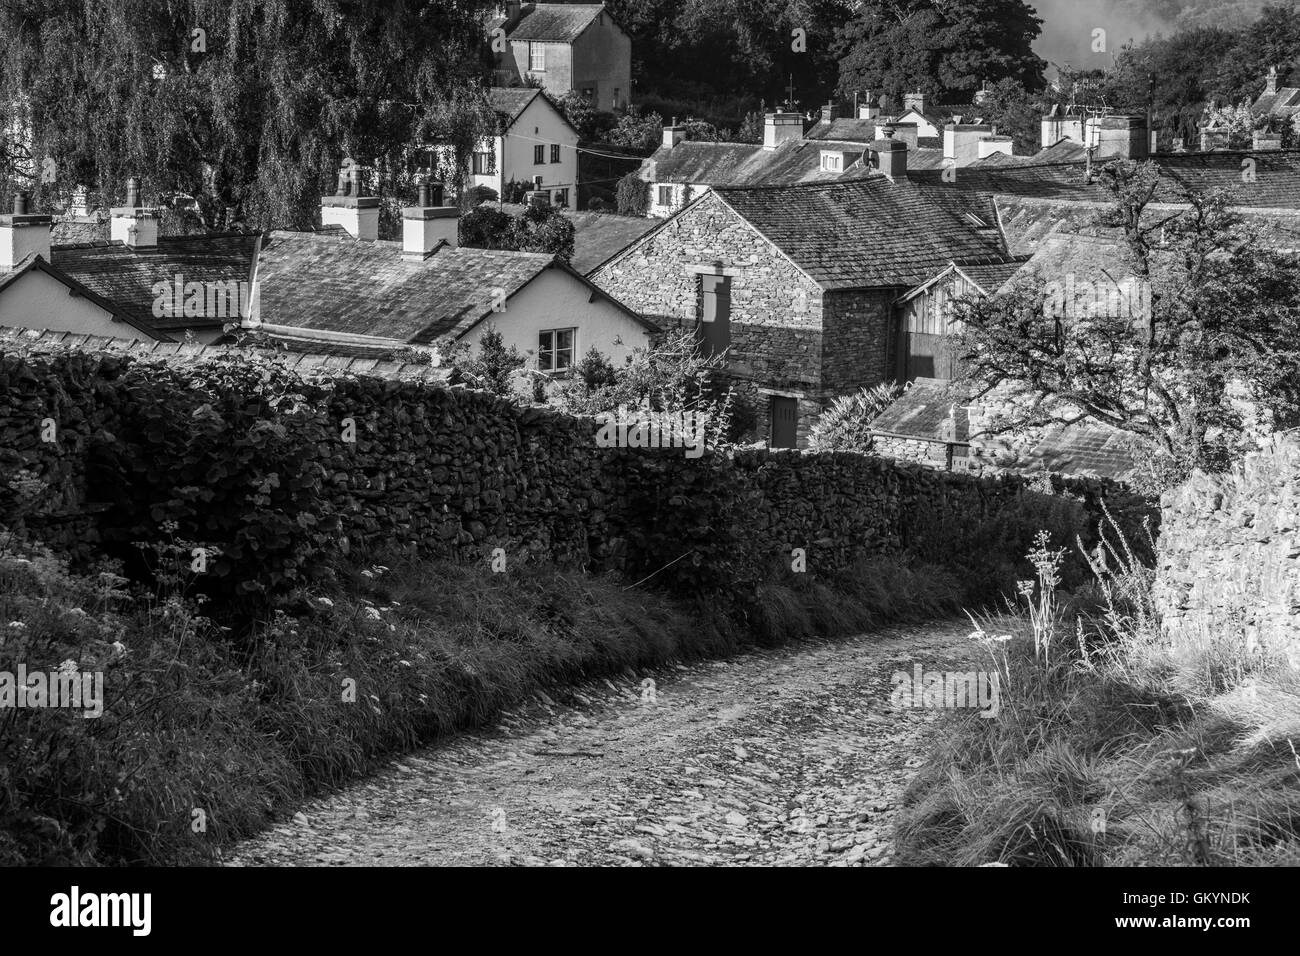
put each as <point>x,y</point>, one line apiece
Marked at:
<point>786,757</point>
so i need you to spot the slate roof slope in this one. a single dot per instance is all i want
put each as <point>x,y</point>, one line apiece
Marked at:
<point>125,276</point>
<point>45,340</point>
<point>744,164</point>
<point>845,129</point>
<point>597,236</point>
<point>552,22</point>
<point>509,102</point>
<point>1276,182</point>
<point>929,410</point>
<point>69,230</point>
<point>935,410</point>
<point>336,284</point>
<point>1285,102</point>
<point>869,233</point>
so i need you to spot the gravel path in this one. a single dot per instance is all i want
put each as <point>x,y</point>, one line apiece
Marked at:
<point>787,757</point>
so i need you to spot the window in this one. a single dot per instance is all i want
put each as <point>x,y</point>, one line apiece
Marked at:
<point>555,349</point>
<point>539,155</point>
<point>555,154</point>
<point>562,198</point>
<point>485,164</point>
<point>715,313</point>
<point>831,162</point>
<point>537,57</point>
<point>665,195</point>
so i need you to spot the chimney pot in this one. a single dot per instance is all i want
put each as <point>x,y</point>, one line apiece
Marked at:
<point>20,203</point>
<point>133,224</point>
<point>423,194</point>
<point>23,234</point>
<point>132,193</point>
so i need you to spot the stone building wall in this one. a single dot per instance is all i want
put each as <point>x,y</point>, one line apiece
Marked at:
<point>1229,565</point>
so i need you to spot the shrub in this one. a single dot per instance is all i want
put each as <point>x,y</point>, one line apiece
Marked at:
<point>846,425</point>
<point>633,195</point>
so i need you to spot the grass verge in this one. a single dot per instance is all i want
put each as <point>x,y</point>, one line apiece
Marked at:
<point>206,735</point>
<point>1113,747</point>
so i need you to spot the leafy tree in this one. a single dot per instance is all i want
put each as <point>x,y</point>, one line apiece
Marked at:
<point>246,105</point>
<point>1223,323</point>
<point>846,425</point>
<point>947,48</point>
<point>582,116</point>
<point>544,229</point>
<point>643,133</point>
<point>633,195</point>
<point>493,370</point>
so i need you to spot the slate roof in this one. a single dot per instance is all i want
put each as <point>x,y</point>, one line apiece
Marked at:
<point>597,236</point>
<point>1276,175</point>
<point>46,340</point>
<point>509,102</point>
<point>1084,448</point>
<point>552,22</point>
<point>125,276</point>
<point>935,410</point>
<point>744,164</point>
<point>929,410</point>
<point>868,233</point>
<point>333,283</point>
<point>845,129</point>
<point>1284,103</point>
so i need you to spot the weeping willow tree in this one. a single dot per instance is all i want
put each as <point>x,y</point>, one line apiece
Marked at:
<point>245,105</point>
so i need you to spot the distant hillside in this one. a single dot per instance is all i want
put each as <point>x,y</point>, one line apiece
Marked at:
<point>1068,25</point>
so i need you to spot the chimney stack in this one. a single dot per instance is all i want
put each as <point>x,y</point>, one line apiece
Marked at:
<point>674,134</point>
<point>133,224</point>
<point>915,101</point>
<point>357,214</point>
<point>23,234</point>
<point>890,154</point>
<point>830,112</point>
<point>781,128</point>
<point>430,225</point>
<point>512,9</point>
<point>1270,82</point>
<point>1123,137</point>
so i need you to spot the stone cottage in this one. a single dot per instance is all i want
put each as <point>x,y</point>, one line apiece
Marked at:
<point>798,282</point>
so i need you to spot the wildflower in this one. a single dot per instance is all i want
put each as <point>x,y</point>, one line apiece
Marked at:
<point>404,663</point>
<point>373,613</point>
<point>68,667</point>
<point>1002,638</point>
<point>325,602</point>
<point>18,625</point>
<point>119,649</point>
<point>367,574</point>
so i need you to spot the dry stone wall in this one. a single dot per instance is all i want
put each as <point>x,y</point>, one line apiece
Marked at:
<point>1230,555</point>
<point>275,474</point>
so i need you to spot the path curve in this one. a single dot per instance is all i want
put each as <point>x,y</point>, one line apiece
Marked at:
<point>784,757</point>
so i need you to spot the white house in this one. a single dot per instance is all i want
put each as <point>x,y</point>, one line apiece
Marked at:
<point>340,290</point>
<point>535,145</point>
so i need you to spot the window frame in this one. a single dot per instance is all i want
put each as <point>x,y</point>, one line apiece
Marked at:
<point>539,155</point>
<point>665,202</point>
<point>484,162</point>
<point>555,152</point>
<point>553,350</point>
<point>536,54</point>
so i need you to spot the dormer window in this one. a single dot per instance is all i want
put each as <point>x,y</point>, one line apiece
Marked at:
<point>537,57</point>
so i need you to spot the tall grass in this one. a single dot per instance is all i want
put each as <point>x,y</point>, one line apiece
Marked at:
<point>1113,746</point>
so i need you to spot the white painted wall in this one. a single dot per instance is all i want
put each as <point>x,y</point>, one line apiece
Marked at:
<point>556,300</point>
<point>658,210</point>
<point>39,301</point>
<point>539,125</point>
<point>923,126</point>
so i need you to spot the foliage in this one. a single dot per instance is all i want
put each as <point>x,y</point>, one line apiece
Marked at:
<point>636,131</point>
<point>495,367</point>
<point>1223,319</point>
<point>545,229</point>
<point>256,113</point>
<point>946,48</point>
<point>846,424</point>
<point>582,116</point>
<point>633,195</point>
